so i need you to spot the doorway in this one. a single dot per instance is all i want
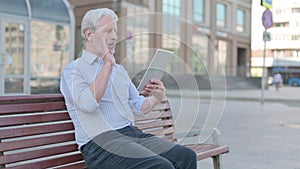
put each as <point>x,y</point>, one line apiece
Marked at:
<point>241,62</point>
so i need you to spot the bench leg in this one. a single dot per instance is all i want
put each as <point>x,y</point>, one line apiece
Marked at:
<point>217,162</point>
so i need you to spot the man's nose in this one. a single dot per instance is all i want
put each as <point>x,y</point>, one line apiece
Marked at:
<point>114,36</point>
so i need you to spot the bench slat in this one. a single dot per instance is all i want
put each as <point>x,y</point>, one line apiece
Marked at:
<point>22,156</point>
<point>208,150</point>
<point>164,114</point>
<point>51,162</point>
<point>32,107</point>
<point>161,106</point>
<point>34,142</point>
<point>154,124</point>
<point>33,130</point>
<point>36,118</point>
<point>30,98</point>
<point>164,131</point>
<point>73,166</point>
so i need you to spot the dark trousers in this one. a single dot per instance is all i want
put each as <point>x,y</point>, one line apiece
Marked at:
<point>130,148</point>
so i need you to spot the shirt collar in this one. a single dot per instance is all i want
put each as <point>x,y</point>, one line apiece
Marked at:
<point>90,57</point>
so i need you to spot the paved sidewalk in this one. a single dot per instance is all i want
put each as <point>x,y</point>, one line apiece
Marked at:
<point>259,136</point>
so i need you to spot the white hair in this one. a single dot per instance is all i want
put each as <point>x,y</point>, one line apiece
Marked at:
<point>92,17</point>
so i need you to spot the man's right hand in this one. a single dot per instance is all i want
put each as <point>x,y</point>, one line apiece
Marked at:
<point>109,58</point>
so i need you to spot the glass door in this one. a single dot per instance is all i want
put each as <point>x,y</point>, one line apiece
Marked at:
<point>13,58</point>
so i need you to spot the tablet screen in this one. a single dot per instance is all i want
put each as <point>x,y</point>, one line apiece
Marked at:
<point>157,67</point>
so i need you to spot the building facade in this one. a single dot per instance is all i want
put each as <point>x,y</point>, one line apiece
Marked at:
<point>39,37</point>
<point>285,34</point>
<point>208,36</point>
<point>283,50</point>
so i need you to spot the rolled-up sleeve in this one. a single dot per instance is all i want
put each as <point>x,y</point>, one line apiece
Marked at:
<point>81,93</point>
<point>65,87</point>
<point>135,100</point>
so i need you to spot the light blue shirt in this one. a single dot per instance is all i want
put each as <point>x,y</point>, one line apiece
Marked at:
<point>116,108</point>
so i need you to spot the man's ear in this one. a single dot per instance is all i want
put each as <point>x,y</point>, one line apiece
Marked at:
<point>89,34</point>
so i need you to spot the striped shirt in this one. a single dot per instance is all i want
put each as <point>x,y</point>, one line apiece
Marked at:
<point>115,109</point>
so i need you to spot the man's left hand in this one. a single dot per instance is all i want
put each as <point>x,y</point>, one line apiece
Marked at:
<point>155,88</point>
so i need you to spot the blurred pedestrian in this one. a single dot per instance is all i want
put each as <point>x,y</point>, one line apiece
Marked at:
<point>277,79</point>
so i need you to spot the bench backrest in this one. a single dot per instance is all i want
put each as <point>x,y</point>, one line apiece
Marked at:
<point>158,122</point>
<point>36,131</point>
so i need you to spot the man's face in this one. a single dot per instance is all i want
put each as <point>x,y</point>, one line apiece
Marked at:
<point>105,35</point>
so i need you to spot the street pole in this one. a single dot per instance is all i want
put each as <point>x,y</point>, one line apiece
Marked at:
<point>267,21</point>
<point>263,73</point>
<point>266,37</point>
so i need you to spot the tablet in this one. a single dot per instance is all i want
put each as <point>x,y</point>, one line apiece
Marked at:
<point>157,67</point>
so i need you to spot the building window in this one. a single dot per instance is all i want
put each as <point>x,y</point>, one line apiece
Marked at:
<point>295,37</point>
<point>295,10</point>
<point>50,42</point>
<point>281,37</point>
<point>171,23</point>
<point>296,53</point>
<point>171,11</point>
<point>171,7</point>
<point>137,38</point>
<point>198,12</point>
<point>200,52</point>
<point>139,2</point>
<point>281,11</point>
<point>240,17</point>
<point>222,52</point>
<point>281,24</point>
<point>171,29</point>
<point>278,54</point>
<point>221,15</point>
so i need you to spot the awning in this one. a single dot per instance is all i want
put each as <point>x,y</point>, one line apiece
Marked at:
<point>51,10</point>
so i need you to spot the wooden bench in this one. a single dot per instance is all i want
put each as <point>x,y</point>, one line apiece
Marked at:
<point>36,132</point>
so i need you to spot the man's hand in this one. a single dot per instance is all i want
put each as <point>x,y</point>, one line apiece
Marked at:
<point>155,88</point>
<point>156,92</point>
<point>109,58</point>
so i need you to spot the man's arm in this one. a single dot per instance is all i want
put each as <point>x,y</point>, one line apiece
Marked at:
<point>156,91</point>
<point>98,86</point>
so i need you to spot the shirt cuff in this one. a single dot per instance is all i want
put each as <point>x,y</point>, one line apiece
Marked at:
<point>137,105</point>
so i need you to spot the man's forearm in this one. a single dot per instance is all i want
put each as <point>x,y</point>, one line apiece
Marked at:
<point>98,87</point>
<point>149,103</point>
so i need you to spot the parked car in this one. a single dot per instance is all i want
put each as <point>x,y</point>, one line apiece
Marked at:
<point>294,81</point>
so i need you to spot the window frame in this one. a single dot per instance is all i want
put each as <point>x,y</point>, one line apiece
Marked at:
<point>225,20</point>
<point>201,14</point>
<point>237,20</point>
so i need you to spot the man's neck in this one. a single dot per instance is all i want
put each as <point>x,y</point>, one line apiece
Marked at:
<point>93,51</point>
